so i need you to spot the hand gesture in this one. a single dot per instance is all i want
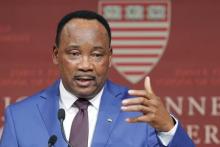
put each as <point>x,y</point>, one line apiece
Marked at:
<point>151,106</point>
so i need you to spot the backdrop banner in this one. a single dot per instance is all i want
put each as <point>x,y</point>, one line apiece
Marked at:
<point>176,43</point>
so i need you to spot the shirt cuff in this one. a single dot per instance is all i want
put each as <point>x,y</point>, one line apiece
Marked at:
<point>166,137</point>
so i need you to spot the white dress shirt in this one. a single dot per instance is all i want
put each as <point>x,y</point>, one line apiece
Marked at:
<point>66,101</point>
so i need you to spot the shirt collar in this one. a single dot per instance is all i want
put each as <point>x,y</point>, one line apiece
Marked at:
<point>67,98</point>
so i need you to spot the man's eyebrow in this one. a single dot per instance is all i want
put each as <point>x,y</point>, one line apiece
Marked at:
<point>72,47</point>
<point>99,47</point>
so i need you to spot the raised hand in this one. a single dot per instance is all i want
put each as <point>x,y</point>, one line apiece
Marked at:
<point>151,106</point>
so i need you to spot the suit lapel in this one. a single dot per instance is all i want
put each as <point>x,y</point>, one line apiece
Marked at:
<point>48,108</point>
<point>107,116</point>
<point>108,113</point>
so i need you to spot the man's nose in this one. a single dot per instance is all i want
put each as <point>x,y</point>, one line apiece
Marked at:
<point>85,64</point>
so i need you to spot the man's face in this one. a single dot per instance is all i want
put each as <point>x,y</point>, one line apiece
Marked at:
<point>83,57</point>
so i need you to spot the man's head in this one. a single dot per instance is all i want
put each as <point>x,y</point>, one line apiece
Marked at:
<point>83,52</point>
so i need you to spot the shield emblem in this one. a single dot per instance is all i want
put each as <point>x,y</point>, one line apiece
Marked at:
<point>140,32</point>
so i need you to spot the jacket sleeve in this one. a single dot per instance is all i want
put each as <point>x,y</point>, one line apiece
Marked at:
<point>8,138</point>
<point>181,139</point>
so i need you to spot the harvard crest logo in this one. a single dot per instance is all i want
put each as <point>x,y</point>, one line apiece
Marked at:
<point>140,32</point>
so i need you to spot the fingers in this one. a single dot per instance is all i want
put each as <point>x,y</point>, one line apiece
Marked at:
<point>147,85</point>
<point>135,101</point>
<point>136,108</point>
<point>139,105</point>
<point>147,92</point>
<point>141,118</point>
<point>151,107</point>
<point>146,110</point>
<point>137,92</point>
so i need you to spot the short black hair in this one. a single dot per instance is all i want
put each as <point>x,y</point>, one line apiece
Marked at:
<point>83,14</point>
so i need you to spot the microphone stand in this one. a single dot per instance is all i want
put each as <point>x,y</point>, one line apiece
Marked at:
<point>61,117</point>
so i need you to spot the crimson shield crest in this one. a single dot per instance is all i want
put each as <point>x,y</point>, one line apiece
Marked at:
<point>140,32</point>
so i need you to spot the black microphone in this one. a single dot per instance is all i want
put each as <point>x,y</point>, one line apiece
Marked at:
<point>61,117</point>
<point>52,140</point>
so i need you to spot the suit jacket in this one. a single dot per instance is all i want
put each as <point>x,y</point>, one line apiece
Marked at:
<point>31,122</point>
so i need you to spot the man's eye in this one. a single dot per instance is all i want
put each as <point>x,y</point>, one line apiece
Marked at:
<point>75,53</point>
<point>97,55</point>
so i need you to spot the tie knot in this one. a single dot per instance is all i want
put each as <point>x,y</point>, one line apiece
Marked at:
<point>82,103</point>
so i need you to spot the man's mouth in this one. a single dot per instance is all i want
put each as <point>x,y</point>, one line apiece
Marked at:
<point>84,80</point>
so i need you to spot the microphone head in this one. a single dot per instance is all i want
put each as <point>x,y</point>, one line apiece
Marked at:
<point>61,114</point>
<point>52,140</point>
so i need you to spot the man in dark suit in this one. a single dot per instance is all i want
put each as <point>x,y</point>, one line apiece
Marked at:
<point>117,117</point>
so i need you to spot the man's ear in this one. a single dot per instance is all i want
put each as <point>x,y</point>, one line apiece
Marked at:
<point>110,57</point>
<point>111,51</point>
<point>55,55</point>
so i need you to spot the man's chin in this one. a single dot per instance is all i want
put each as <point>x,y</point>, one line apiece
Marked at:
<point>86,94</point>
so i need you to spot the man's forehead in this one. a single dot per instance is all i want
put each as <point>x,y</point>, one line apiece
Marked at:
<point>83,26</point>
<point>80,22</point>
